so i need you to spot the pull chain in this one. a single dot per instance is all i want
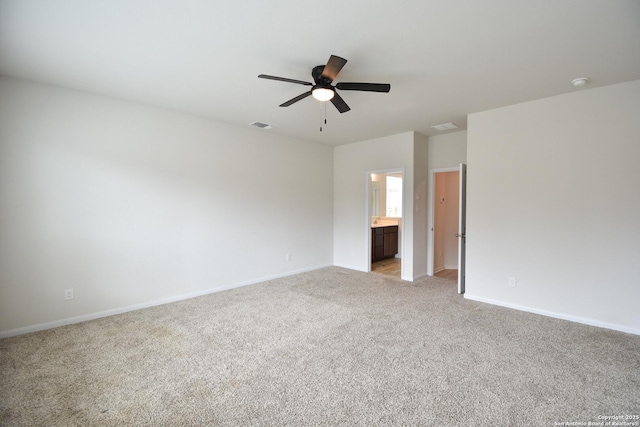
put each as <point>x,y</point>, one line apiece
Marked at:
<point>325,114</point>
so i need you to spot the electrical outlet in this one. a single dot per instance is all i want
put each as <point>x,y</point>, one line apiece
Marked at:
<point>512,281</point>
<point>68,294</point>
<point>288,257</point>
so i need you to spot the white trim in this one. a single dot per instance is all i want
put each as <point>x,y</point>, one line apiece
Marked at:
<point>430,219</point>
<point>438,270</point>
<point>100,314</point>
<point>577,319</point>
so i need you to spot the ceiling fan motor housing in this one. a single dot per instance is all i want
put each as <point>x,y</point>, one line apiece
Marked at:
<point>316,73</point>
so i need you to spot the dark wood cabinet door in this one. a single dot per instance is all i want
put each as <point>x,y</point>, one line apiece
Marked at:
<point>384,242</point>
<point>379,252</point>
<point>390,244</point>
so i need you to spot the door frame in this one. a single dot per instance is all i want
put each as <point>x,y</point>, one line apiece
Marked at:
<point>462,230</point>
<point>369,212</point>
<point>431,217</point>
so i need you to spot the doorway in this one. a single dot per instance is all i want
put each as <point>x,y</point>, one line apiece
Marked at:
<point>385,214</point>
<point>444,225</point>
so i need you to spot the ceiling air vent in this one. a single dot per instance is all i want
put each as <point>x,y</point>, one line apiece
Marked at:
<point>261,125</point>
<point>445,126</point>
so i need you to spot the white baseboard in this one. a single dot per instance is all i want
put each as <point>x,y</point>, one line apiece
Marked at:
<point>106,313</point>
<point>571,318</point>
<point>438,270</point>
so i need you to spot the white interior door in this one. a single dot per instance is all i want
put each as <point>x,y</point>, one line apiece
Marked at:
<point>462,227</point>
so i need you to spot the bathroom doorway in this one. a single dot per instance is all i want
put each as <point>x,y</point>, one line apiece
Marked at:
<point>444,225</point>
<point>385,213</point>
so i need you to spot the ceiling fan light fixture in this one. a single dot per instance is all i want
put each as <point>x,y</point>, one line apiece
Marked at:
<point>323,94</point>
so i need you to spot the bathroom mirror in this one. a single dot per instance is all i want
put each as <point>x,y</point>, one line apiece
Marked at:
<point>375,198</point>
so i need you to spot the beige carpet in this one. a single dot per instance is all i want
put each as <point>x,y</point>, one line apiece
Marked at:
<point>329,347</point>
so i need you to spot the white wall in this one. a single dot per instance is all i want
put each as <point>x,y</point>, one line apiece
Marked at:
<point>352,164</point>
<point>554,200</point>
<point>447,150</point>
<point>131,205</point>
<point>420,197</point>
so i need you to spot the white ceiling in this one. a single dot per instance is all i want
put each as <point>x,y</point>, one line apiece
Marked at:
<point>443,59</point>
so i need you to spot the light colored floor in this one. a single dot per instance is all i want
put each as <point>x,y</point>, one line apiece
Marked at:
<point>448,274</point>
<point>392,266</point>
<point>388,267</point>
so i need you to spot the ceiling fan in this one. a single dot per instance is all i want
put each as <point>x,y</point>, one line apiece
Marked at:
<point>323,90</point>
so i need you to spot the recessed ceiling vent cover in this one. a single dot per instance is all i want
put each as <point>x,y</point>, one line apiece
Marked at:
<point>445,126</point>
<point>261,125</point>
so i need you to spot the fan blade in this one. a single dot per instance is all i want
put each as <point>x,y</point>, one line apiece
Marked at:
<point>340,104</point>
<point>333,67</point>
<point>367,87</point>
<point>296,99</point>
<point>282,79</point>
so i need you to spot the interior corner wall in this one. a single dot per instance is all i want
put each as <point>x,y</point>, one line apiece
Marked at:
<point>351,226</point>
<point>553,201</point>
<point>132,205</point>
<point>420,198</point>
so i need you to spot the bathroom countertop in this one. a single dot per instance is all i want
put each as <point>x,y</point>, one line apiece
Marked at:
<point>382,225</point>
